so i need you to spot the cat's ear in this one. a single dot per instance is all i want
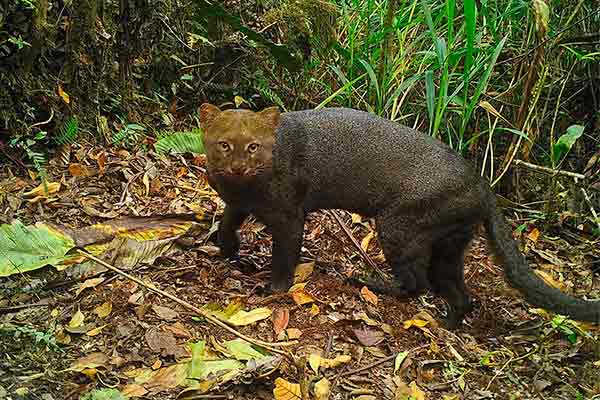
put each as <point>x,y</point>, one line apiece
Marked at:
<point>270,117</point>
<point>207,113</point>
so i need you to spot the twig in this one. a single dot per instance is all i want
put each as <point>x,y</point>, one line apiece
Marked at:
<point>549,171</point>
<point>43,122</point>
<point>363,253</point>
<point>203,313</point>
<point>23,306</point>
<point>376,363</point>
<point>592,209</point>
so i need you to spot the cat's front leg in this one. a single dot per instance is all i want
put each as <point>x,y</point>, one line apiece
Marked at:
<point>287,231</point>
<point>227,236</point>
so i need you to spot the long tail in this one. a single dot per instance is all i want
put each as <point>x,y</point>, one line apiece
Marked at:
<point>521,276</point>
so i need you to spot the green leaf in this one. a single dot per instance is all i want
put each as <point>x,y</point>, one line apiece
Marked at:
<point>399,359</point>
<point>27,248</point>
<point>104,394</point>
<point>242,350</point>
<point>565,142</point>
<point>181,142</point>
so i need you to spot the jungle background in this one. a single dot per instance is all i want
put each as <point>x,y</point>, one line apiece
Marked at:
<point>102,97</point>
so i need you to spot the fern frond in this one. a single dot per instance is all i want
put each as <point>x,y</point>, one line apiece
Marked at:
<point>181,142</point>
<point>68,133</point>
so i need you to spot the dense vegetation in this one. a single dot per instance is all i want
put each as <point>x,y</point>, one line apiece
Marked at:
<point>499,81</point>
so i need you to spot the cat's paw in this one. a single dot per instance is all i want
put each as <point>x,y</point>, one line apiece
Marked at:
<point>229,245</point>
<point>280,285</point>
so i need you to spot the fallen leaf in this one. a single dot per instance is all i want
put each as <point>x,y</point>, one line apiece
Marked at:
<point>92,360</point>
<point>411,391</point>
<point>547,277</point>
<point>167,378</point>
<point>315,361</point>
<point>64,95</point>
<point>419,323</point>
<point>157,364</point>
<point>293,333</point>
<point>242,317</point>
<point>368,337</point>
<point>76,169</point>
<point>76,320</point>
<point>369,296</point>
<point>178,330</point>
<point>133,390</point>
<point>165,312</point>
<point>88,283</point>
<point>242,350</point>
<point>399,359</point>
<point>281,318</point>
<point>96,331</point>
<point>40,190</point>
<point>322,389</point>
<point>103,310</point>
<point>356,218</point>
<point>364,244</point>
<point>534,235</point>
<point>285,390</point>
<point>303,271</point>
<point>314,310</point>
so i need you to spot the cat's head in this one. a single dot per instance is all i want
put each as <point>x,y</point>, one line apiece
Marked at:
<point>238,143</point>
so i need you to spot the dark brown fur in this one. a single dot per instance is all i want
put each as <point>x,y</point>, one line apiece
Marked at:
<point>426,200</point>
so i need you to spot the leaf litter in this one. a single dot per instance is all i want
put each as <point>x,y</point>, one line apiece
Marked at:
<point>110,329</point>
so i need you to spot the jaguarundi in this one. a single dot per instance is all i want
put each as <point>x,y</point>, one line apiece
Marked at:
<point>426,200</point>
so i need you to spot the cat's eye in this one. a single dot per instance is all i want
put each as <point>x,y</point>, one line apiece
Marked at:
<point>253,147</point>
<point>224,146</point>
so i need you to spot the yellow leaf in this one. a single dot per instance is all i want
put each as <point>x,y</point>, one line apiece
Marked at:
<point>40,190</point>
<point>285,390</point>
<point>314,310</point>
<point>356,218</point>
<point>238,100</point>
<point>419,323</point>
<point>157,364</point>
<point>322,389</point>
<point>314,360</point>
<point>96,331</point>
<point>301,297</point>
<point>369,296</point>
<point>303,271</point>
<point>103,310</point>
<point>64,95</point>
<point>248,317</point>
<point>293,333</point>
<point>411,391</point>
<point>76,320</point>
<point>296,287</point>
<point>547,277</point>
<point>534,235</point>
<point>366,240</point>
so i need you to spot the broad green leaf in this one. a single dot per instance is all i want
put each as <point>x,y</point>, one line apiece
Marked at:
<point>27,248</point>
<point>242,350</point>
<point>565,142</point>
<point>399,359</point>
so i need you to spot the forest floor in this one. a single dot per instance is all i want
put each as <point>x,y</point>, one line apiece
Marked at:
<point>134,340</point>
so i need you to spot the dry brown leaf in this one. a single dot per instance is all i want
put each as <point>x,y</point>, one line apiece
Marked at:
<point>76,169</point>
<point>167,378</point>
<point>303,271</point>
<point>364,244</point>
<point>281,318</point>
<point>165,312</point>
<point>40,190</point>
<point>293,333</point>
<point>369,296</point>
<point>178,330</point>
<point>133,390</point>
<point>285,390</point>
<point>91,361</point>
<point>103,310</point>
<point>368,337</point>
<point>89,283</point>
<point>547,277</point>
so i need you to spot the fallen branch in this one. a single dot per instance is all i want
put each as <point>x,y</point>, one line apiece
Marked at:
<point>363,253</point>
<point>376,363</point>
<point>267,345</point>
<point>549,171</point>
